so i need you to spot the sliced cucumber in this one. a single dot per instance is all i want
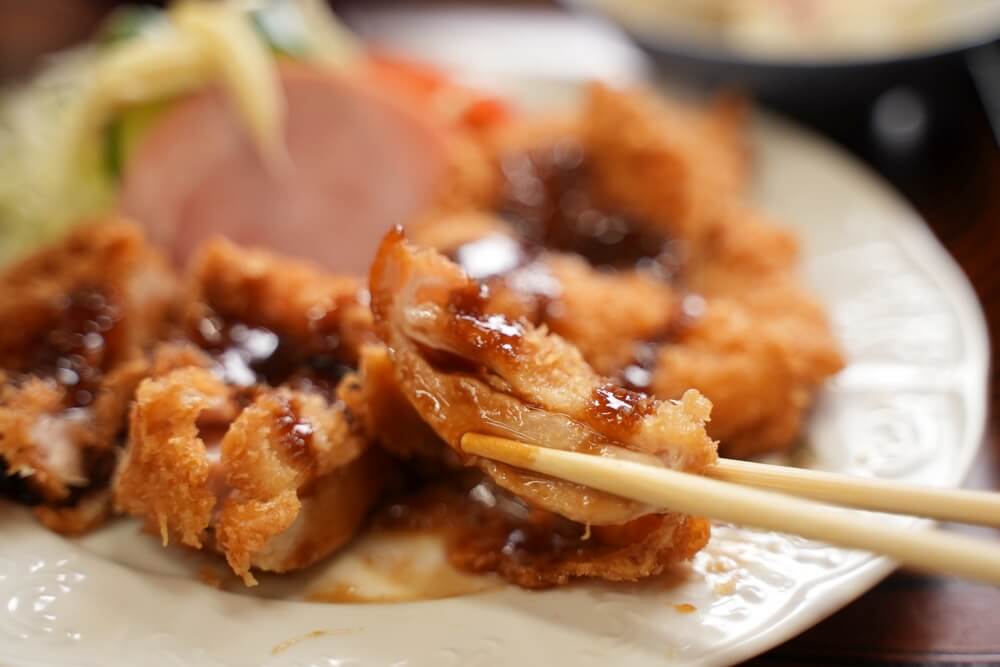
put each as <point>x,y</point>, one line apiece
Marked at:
<point>123,134</point>
<point>128,22</point>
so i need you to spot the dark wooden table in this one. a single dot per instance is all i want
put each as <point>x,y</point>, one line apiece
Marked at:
<point>953,178</point>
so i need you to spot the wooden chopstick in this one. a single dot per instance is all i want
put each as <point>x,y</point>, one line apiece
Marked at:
<point>925,549</point>
<point>977,507</point>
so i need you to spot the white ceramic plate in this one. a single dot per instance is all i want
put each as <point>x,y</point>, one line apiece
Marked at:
<point>910,405</point>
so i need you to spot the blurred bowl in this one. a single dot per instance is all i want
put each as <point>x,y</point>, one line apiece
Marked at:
<point>691,48</point>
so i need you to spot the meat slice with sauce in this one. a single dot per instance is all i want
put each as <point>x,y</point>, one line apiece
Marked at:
<point>358,161</point>
<point>467,369</point>
<point>80,316</point>
<point>249,436</point>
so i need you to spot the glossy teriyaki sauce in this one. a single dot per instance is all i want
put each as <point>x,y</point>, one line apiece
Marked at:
<point>250,355</point>
<point>549,201</point>
<point>83,339</point>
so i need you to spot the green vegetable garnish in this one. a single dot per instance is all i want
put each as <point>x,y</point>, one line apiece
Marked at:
<point>128,22</point>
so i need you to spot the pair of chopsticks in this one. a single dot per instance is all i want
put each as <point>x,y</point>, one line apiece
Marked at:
<point>725,493</point>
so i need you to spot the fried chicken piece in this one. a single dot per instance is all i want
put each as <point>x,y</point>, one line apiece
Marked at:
<point>626,307</point>
<point>287,483</point>
<point>624,231</point>
<point>669,166</point>
<point>465,370</point>
<point>86,514</point>
<point>315,311</point>
<point>249,437</point>
<point>40,439</point>
<point>761,348</point>
<point>761,357</point>
<point>743,251</point>
<point>299,482</point>
<point>99,272</point>
<point>87,309</point>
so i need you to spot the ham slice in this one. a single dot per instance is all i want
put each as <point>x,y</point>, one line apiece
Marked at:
<point>359,162</point>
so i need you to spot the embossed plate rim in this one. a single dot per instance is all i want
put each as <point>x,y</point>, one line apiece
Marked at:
<point>917,239</point>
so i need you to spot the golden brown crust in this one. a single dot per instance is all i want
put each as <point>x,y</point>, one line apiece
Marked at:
<point>593,308</point>
<point>438,322</point>
<point>164,474</point>
<point>642,549</point>
<point>471,181</point>
<point>761,361</point>
<point>90,512</point>
<point>276,446</point>
<point>247,526</point>
<point>244,492</point>
<point>308,306</point>
<point>487,529</point>
<point>669,165</point>
<point>330,512</point>
<point>87,308</point>
<point>110,257</point>
<point>261,449</point>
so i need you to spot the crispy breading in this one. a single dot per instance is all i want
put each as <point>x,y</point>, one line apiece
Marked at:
<point>86,514</point>
<point>110,258</point>
<point>33,405</point>
<point>644,548</point>
<point>243,492</point>
<point>669,165</point>
<point>267,456</point>
<point>761,361</point>
<point>761,348</point>
<point>471,181</point>
<point>165,473</point>
<point>87,309</point>
<point>602,313</point>
<point>268,535</point>
<point>308,305</point>
<point>593,308</point>
<point>281,442</point>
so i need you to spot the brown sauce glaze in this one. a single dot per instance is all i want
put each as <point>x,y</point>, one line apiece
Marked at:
<point>638,373</point>
<point>619,410</point>
<point>82,342</point>
<point>486,332</point>
<point>295,434</point>
<point>256,355</point>
<point>548,199</point>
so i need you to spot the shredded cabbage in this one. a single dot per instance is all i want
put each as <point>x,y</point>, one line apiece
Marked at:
<point>44,187</point>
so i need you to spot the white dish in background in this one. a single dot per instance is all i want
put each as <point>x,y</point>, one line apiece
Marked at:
<point>814,31</point>
<point>910,405</point>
